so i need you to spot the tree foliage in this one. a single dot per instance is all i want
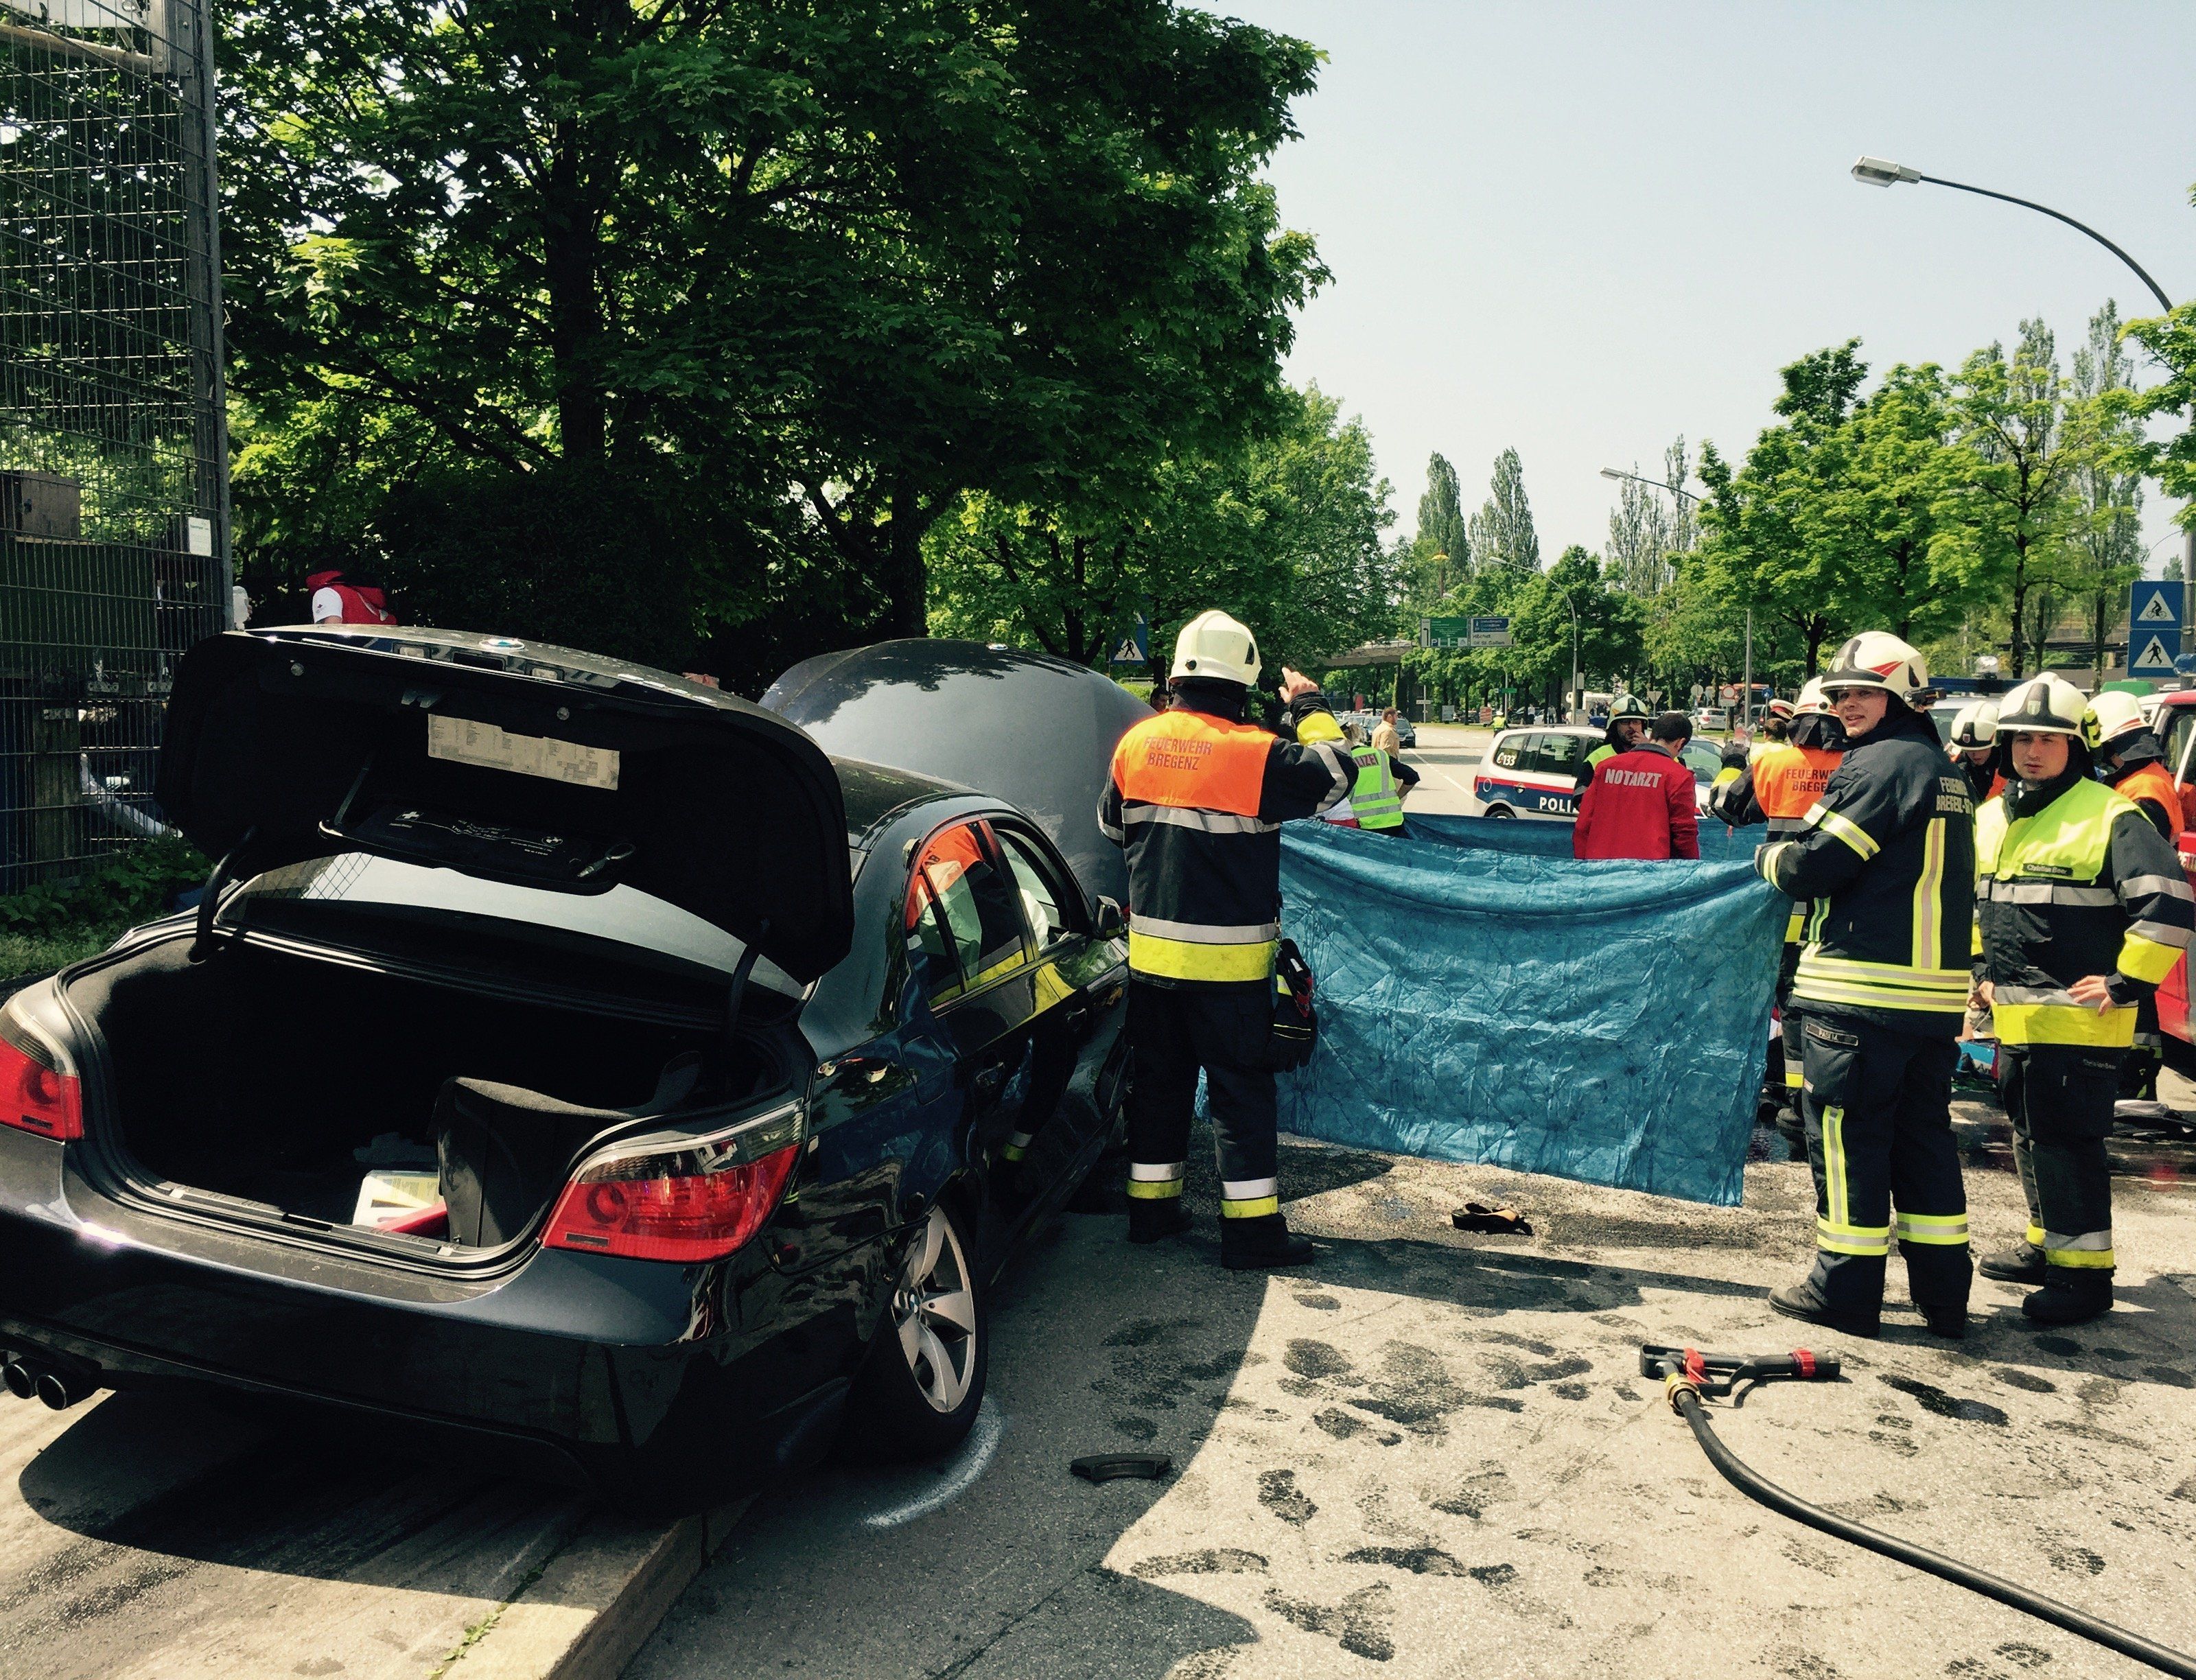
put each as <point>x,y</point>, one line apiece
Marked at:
<point>815,271</point>
<point>1287,533</point>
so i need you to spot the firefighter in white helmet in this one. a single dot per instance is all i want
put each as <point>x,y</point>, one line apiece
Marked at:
<point>1886,856</point>
<point>1973,747</point>
<point>2081,910</point>
<point>1197,798</point>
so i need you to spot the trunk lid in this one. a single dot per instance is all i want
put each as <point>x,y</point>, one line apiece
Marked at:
<point>513,761</point>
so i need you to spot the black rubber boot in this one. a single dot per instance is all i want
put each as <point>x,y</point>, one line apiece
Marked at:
<point>1800,1301</point>
<point>2070,1301</point>
<point>1949,1322</point>
<point>1259,1244</point>
<point>1151,1222</point>
<point>2022,1264</point>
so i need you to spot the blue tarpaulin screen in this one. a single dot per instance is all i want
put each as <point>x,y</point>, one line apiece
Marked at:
<point>1483,997</point>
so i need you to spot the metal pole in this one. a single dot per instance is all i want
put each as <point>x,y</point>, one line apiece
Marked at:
<point>1574,706</point>
<point>1746,697</point>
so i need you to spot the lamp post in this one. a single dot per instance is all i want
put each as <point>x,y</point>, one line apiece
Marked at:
<point>1746,692</point>
<point>1882,172</point>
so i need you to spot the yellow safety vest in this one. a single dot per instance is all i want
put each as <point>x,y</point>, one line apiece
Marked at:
<point>1374,799</point>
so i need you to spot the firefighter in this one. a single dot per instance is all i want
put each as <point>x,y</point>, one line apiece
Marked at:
<point>1886,854</point>
<point>1776,728</point>
<point>2130,760</point>
<point>1628,728</point>
<point>1781,790</point>
<point>1973,747</point>
<point>2081,910</point>
<point>1196,798</point>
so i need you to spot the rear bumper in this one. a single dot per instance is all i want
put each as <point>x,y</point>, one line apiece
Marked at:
<point>701,1379</point>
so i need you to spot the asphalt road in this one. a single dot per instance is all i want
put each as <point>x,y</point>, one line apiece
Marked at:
<point>1432,1454</point>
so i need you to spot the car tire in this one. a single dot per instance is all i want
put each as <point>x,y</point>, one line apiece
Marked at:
<point>1501,811</point>
<point>919,1389</point>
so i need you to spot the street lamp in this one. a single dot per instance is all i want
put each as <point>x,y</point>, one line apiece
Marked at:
<point>1746,698</point>
<point>1882,172</point>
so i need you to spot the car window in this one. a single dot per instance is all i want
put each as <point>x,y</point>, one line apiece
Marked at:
<point>964,922</point>
<point>1560,754</point>
<point>1041,895</point>
<point>1509,749</point>
<point>2180,731</point>
<point>1705,761</point>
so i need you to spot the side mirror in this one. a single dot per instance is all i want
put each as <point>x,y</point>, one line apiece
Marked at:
<point>1112,923</point>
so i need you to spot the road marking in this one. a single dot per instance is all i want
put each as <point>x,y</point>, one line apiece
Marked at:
<point>973,1458</point>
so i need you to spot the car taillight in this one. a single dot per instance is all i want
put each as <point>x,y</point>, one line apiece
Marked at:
<point>38,1088</point>
<point>698,1201</point>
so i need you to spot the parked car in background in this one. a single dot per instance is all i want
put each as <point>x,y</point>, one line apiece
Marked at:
<point>1712,718</point>
<point>572,1057</point>
<point>1406,731</point>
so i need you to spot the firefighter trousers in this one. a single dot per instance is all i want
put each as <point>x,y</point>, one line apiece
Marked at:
<point>1173,1031</point>
<point>1877,1107</point>
<point>2059,1098</point>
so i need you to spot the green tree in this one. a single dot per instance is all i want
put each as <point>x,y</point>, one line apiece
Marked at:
<point>2013,484</point>
<point>1501,532</point>
<point>805,274</point>
<point>2106,530</point>
<point>1442,525</point>
<point>1287,533</point>
<point>1762,546</point>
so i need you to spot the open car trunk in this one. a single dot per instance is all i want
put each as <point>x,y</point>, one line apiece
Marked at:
<point>359,1099</point>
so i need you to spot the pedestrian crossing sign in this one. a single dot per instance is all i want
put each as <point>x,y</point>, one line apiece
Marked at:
<point>2155,606</point>
<point>2153,659</point>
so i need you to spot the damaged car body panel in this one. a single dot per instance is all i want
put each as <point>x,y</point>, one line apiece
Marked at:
<point>688,1064</point>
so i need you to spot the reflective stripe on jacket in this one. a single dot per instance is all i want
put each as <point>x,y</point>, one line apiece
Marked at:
<point>2085,885</point>
<point>1197,801</point>
<point>1787,783</point>
<point>1888,854</point>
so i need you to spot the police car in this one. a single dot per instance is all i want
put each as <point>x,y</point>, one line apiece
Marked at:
<point>1536,773</point>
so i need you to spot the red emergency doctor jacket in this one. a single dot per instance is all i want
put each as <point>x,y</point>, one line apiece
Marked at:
<point>1638,805</point>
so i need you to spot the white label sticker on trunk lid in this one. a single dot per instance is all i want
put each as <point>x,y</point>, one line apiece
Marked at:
<point>470,742</point>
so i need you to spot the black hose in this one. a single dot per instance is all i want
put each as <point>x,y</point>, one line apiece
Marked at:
<point>1755,1487</point>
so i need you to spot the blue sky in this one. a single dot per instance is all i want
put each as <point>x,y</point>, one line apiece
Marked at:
<point>1581,230</point>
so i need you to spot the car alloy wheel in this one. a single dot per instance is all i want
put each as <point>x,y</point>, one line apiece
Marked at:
<point>934,1313</point>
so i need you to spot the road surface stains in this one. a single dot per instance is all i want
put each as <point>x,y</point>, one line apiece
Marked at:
<point>1811,1557</point>
<point>1902,1443</point>
<point>1319,1303</point>
<point>2025,1380</point>
<point>2076,1560</point>
<point>1219,1561</point>
<point>1279,1493</point>
<point>1570,1391</point>
<point>1933,1399</point>
<point>2169,1377</point>
<point>1492,1575</point>
<point>1137,1428</point>
<point>2064,1346</point>
<point>1359,1624</point>
<point>2024,1656</point>
<point>1418,1560</point>
<point>1315,1360</point>
<point>1143,1332</point>
<point>1476,1494</point>
<point>2115,1353</point>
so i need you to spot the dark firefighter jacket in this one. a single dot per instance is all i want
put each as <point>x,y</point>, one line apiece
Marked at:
<point>1197,801</point>
<point>2075,882</point>
<point>1888,856</point>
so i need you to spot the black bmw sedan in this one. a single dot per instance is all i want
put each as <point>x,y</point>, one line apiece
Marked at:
<point>568,1055</point>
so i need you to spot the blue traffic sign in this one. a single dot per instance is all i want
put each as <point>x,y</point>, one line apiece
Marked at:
<point>2155,606</point>
<point>1135,648</point>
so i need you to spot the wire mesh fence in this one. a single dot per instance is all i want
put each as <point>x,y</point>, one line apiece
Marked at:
<point>113,538</point>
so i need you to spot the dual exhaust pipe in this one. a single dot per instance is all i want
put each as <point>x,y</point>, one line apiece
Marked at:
<point>58,1386</point>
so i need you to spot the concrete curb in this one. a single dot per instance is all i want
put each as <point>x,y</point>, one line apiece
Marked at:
<point>596,1601</point>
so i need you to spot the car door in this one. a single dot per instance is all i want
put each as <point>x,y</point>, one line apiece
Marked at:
<point>1558,757</point>
<point>1076,1058</point>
